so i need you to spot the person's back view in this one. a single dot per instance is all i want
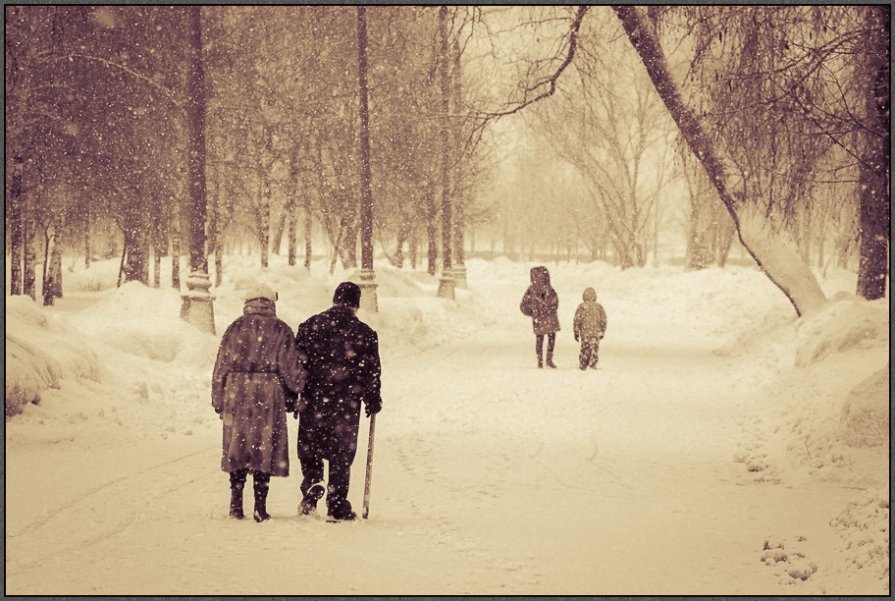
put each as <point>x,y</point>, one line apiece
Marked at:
<point>256,378</point>
<point>541,303</point>
<point>341,356</point>
<point>589,327</point>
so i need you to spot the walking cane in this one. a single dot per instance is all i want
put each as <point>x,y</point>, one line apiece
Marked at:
<point>369,467</point>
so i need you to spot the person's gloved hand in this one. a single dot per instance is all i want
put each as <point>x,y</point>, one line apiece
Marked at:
<point>576,337</point>
<point>373,407</point>
<point>221,415</point>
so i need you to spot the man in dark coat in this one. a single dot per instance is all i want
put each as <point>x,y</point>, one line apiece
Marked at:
<point>257,378</point>
<point>341,355</point>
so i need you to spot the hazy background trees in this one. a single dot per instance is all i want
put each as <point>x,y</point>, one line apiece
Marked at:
<point>538,128</point>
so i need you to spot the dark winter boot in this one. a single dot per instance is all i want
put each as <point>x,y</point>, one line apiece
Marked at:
<point>540,361</point>
<point>341,512</point>
<point>550,361</point>
<point>261,485</point>
<point>237,483</point>
<point>309,499</point>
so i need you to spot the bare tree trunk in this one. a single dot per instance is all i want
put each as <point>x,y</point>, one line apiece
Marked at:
<point>778,261</point>
<point>308,233</point>
<point>16,226</point>
<point>198,306</point>
<point>290,211</point>
<point>157,265</point>
<point>414,248</point>
<point>446,223</point>
<point>264,222</point>
<point>52,280</point>
<point>30,259</point>
<point>724,235</point>
<point>175,226</point>
<point>398,259</point>
<point>292,237</point>
<point>431,229</point>
<point>136,266</point>
<point>56,262</point>
<point>873,267</point>
<point>87,250</point>
<point>459,201</point>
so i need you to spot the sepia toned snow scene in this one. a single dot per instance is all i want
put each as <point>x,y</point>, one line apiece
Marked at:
<point>447,300</point>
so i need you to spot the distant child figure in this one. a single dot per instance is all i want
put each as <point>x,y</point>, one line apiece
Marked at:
<point>541,303</point>
<point>589,327</point>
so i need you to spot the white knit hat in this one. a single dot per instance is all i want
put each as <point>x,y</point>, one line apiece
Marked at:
<point>261,291</point>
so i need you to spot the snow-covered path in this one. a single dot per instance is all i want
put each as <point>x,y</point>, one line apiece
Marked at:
<point>490,477</point>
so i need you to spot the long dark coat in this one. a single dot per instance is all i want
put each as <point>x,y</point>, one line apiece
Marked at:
<point>541,303</point>
<point>341,355</point>
<point>257,369</point>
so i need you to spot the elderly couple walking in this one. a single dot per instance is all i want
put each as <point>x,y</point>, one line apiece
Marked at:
<point>322,375</point>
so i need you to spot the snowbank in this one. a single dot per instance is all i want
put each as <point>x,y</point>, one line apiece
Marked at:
<point>824,381</point>
<point>865,414</point>
<point>41,351</point>
<point>143,321</point>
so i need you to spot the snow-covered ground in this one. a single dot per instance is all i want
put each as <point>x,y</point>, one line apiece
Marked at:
<point>722,447</point>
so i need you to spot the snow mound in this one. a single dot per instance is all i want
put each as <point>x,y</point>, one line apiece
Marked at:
<point>864,528</point>
<point>141,321</point>
<point>865,414</point>
<point>101,275</point>
<point>40,352</point>
<point>845,323</point>
<point>394,283</point>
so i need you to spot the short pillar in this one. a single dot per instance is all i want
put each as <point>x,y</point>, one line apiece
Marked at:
<point>446,285</point>
<point>368,297</point>
<point>459,276</point>
<point>198,307</point>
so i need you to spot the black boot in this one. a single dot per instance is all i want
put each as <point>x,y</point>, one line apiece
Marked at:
<point>550,361</point>
<point>540,361</point>
<point>261,486</point>
<point>340,511</point>
<point>237,483</point>
<point>310,497</point>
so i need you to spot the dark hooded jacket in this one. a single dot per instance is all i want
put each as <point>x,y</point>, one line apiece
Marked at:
<point>341,356</point>
<point>257,369</point>
<point>540,302</point>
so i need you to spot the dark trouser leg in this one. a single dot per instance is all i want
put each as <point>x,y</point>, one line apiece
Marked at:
<point>584,355</point>
<point>310,453</point>
<point>551,342</point>
<point>237,484</point>
<point>539,348</point>
<point>594,353</point>
<point>261,485</point>
<point>341,452</point>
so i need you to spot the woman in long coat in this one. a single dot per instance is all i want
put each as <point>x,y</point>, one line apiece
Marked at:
<point>256,381</point>
<point>541,303</point>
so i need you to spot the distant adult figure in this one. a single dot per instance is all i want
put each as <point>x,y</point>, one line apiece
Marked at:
<point>341,356</point>
<point>589,327</point>
<point>541,302</point>
<point>257,378</point>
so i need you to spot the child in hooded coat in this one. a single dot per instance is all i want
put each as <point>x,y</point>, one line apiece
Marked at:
<point>541,303</point>
<point>589,328</point>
